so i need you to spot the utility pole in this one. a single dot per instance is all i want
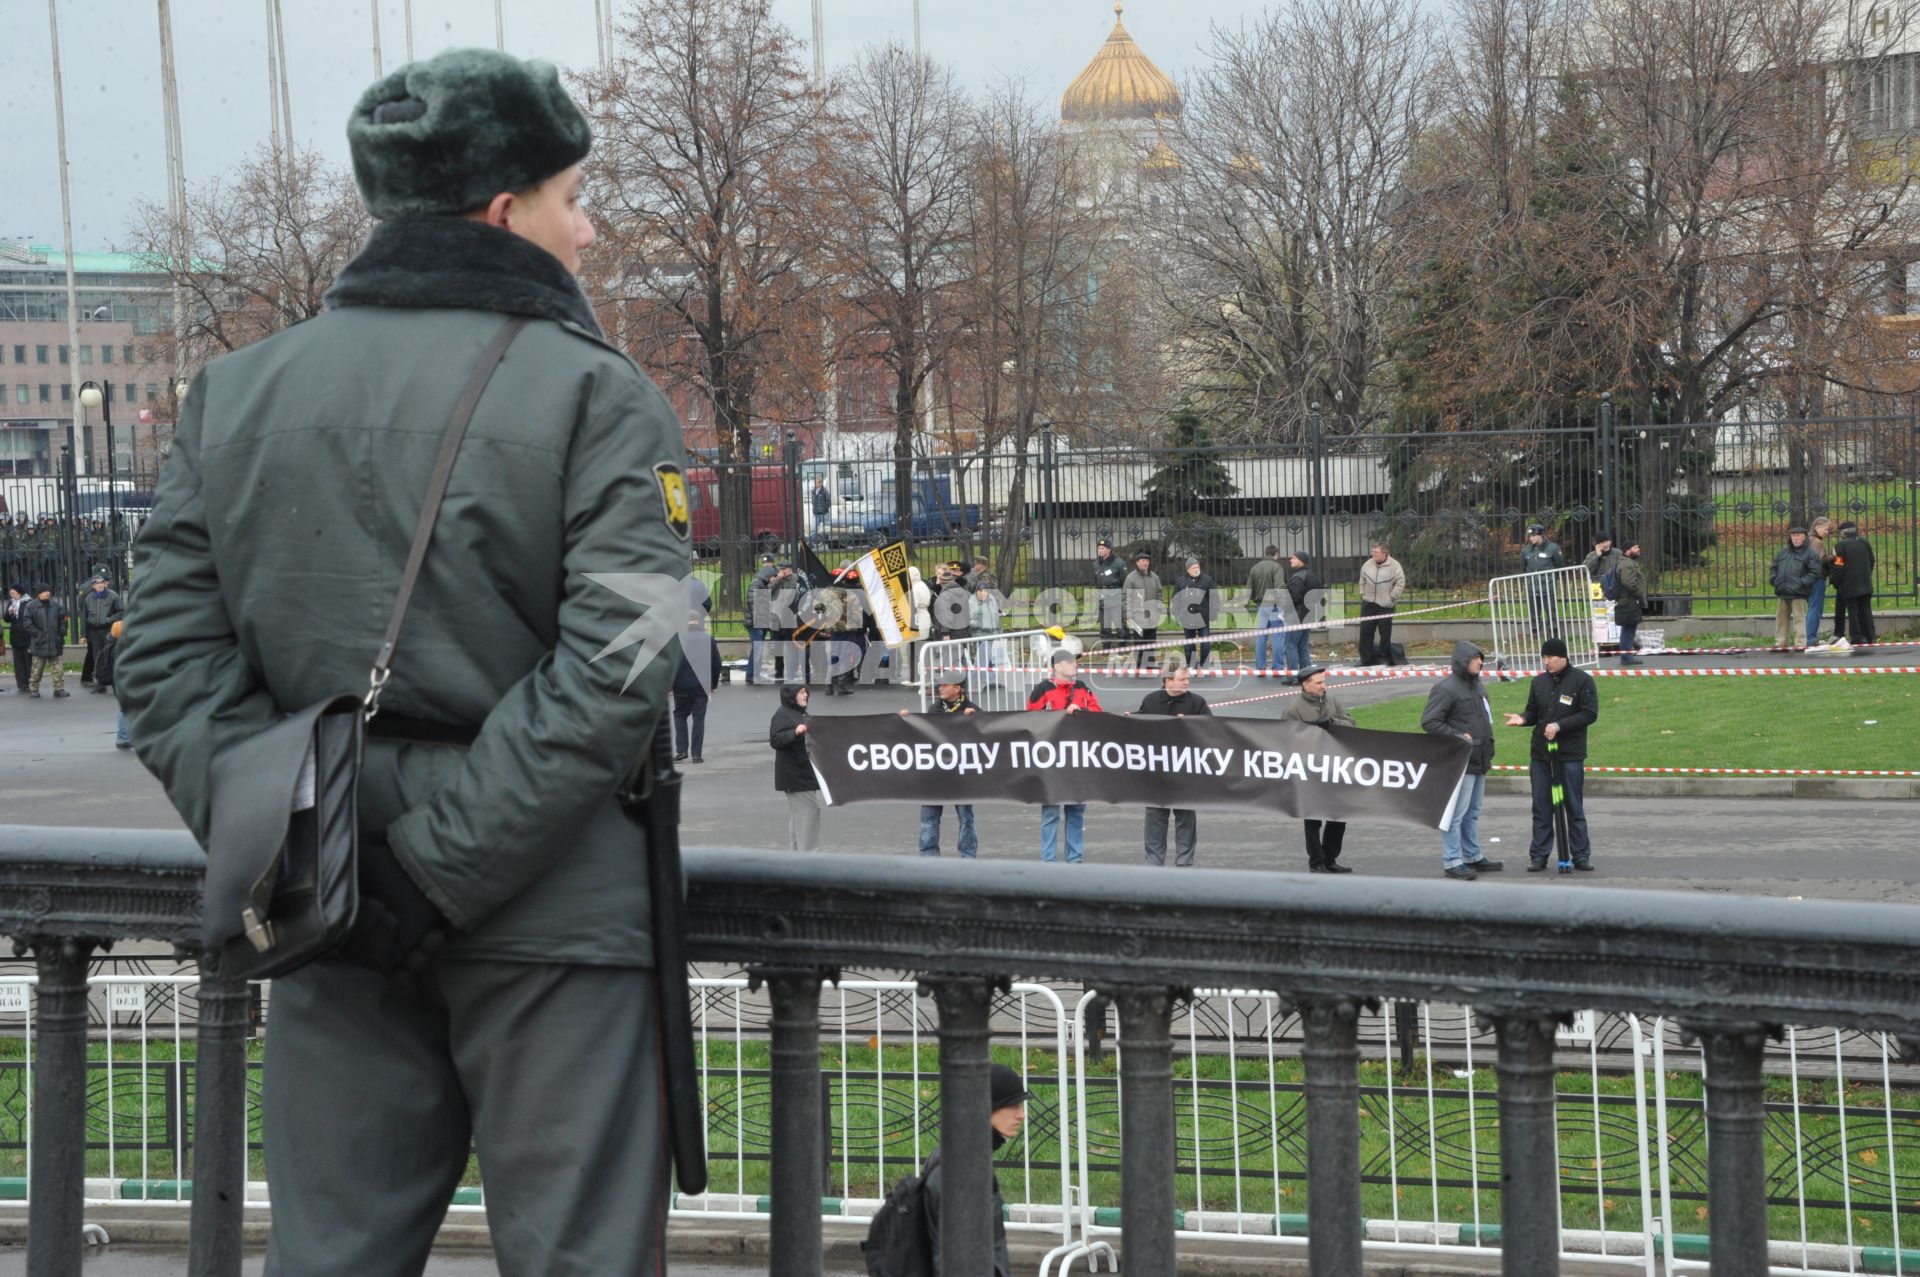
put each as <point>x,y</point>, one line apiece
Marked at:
<point>66,227</point>
<point>374,9</point>
<point>409,12</point>
<point>819,45</point>
<point>286,73</point>
<point>273,85</point>
<point>177,246</point>
<point>499,29</point>
<point>916,30</point>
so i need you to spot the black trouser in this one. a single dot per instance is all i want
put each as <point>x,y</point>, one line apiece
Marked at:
<point>1324,838</point>
<point>1144,656</point>
<point>1197,646</point>
<point>1859,613</point>
<point>689,720</point>
<point>98,636</point>
<point>1376,635</point>
<point>1573,799</point>
<point>22,665</point>
<point>1839,618</point>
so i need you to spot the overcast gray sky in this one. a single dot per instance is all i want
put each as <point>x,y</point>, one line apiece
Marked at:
<point>110,53</point>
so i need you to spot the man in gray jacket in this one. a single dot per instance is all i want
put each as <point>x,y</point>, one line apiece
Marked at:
<point>1458,706</point>
<point>488,796</point>
<point>1382,582</point>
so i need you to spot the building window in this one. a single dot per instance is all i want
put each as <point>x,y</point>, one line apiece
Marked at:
<point>39,354</point>
<point>66,392</point>
<point>46,393</point>
<point>153,393</point>
<point>19,354</point>
<point>131,397</point>
<point>66,356</point>
<point>86,354</point>
<point>126,354</point>
<point>20,394</point>
<point>106,354</point>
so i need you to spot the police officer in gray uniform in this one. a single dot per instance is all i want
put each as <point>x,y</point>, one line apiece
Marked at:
<point>488,804</point>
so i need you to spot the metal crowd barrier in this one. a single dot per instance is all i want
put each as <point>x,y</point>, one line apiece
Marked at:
<point>1533,607</point>
<point>985,661</point>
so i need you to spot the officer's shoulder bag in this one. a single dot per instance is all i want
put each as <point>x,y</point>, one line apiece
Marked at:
<point>282,885</point>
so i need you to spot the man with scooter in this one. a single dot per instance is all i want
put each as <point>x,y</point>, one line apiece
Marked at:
<point>1562,703</point>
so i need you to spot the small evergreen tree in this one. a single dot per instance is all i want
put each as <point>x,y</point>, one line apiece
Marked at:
<point>1181,493</point>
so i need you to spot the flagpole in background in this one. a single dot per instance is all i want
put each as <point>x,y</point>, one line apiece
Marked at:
<point>76,455</point>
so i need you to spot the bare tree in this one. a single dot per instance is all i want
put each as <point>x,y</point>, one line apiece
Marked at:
<point>703,180</point>
<point>897,184</point>
<point>1297,142</point>
<point>1032,232</point>
<point>261,247</point>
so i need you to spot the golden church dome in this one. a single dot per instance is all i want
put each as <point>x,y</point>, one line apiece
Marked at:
<point>1121,83</point>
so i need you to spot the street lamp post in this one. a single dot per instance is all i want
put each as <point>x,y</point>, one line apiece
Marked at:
<point>92,396</point>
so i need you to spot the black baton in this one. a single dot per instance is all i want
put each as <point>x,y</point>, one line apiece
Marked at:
<point>657,805</point>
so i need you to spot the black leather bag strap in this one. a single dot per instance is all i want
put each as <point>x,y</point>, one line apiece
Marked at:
<point>437,489</point>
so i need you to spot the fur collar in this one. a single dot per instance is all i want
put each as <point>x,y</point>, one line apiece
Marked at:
<point>434,262</point>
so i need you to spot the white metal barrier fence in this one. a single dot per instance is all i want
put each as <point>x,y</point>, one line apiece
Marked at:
<point>1536,606</point>
<point>1842,1112</point>
<point>989,664</point>
<point>1631,1130</point>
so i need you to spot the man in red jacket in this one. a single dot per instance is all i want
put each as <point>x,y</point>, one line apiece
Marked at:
<point>1063,693</point>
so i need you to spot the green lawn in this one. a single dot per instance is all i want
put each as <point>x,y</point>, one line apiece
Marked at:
<point>1870,721</point>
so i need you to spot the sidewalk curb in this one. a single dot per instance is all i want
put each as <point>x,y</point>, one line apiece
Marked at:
<point>1820,787</point>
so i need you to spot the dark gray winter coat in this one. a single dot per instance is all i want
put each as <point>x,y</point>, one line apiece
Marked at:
<point>1457,706</point>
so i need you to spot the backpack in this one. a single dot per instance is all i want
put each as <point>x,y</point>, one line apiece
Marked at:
<point>899,1243</point>
<point>1610,583</point>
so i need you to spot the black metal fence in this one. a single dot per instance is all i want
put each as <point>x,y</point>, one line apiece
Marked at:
<point>1709,502</point>
<point>1730,971</point>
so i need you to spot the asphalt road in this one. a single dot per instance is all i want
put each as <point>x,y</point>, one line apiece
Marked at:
<point>120,1261</point>
<point>58,766</point>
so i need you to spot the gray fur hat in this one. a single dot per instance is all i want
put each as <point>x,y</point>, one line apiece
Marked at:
<point>448,134</point>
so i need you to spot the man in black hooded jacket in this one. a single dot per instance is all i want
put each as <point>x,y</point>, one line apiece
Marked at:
<point>1009,1115</point>
<point>1458,706</point>
<point>793,768</point>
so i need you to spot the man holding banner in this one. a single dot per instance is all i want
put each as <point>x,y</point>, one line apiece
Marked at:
<point>1063,693</point>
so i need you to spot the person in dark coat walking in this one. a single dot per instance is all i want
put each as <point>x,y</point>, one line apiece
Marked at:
<point>698,675</point>
<point>19,636</point>
<point>1316,704</point>
<point>46,622</point>
<point>1852,579</point>
<point>1173,700</point>
<point>1458,706</point>
<point>1194,606</point>
<point>1009,1115</point>
<point>1562,703</point>
<point>793,769</point>
<point>1302,584</point>
<point>949,700</point>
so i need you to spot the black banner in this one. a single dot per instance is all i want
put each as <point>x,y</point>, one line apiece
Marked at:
<point>1294,769</point>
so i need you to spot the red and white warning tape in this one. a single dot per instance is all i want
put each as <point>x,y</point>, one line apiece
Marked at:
<point>1441,671</point>
<point>1726,771</point>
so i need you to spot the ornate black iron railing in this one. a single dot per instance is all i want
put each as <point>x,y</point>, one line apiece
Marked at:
<point>1730,968</point>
